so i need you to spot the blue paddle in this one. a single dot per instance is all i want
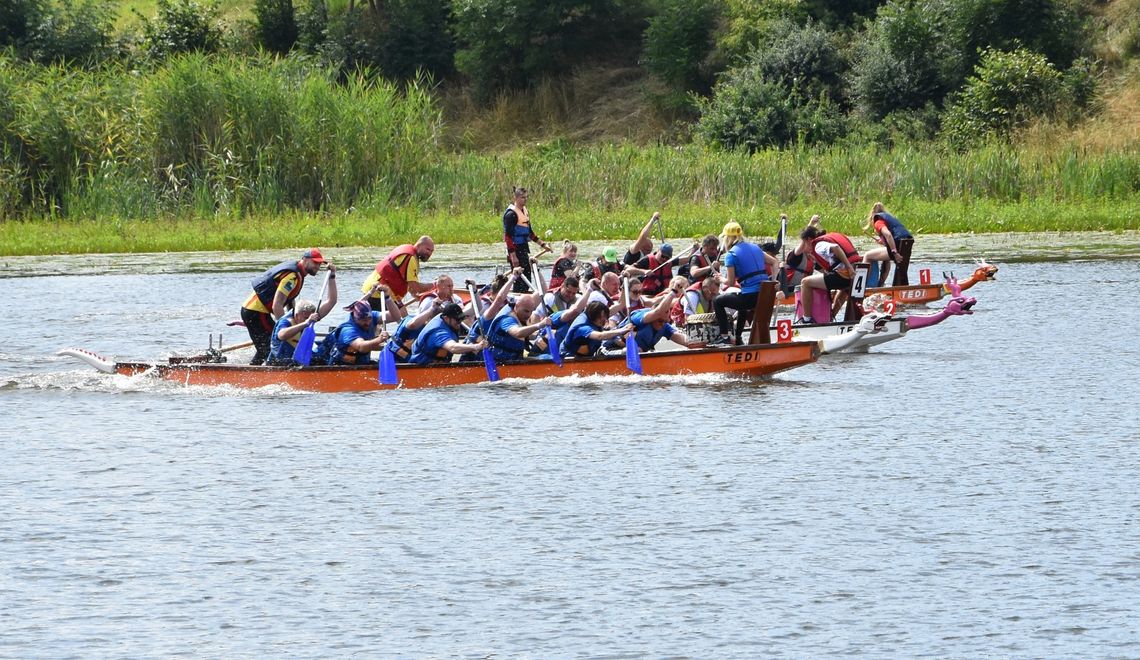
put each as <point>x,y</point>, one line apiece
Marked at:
<point>548,332</point>
<point>304,351</point>
<point>488,359</point>
<point>632,354</point>
<point>387,369</point>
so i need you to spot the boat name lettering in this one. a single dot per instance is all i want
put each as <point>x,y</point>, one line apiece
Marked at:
<point>740,357</point>
<point>913,294</point>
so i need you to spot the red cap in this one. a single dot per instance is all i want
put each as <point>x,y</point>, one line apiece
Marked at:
<point>314,254</point>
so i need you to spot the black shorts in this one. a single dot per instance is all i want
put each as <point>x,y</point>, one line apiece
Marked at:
<point>836,282</point>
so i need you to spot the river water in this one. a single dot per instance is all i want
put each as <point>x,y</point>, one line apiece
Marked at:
<point>970,490</point>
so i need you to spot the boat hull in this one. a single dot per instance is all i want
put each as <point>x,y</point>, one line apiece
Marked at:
<point>744,361</point>
<point>894,328</point>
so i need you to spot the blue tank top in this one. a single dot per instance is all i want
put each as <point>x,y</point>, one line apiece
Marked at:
<point>747,260</point>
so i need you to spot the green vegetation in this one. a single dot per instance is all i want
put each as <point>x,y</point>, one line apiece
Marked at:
<point>274,122</point>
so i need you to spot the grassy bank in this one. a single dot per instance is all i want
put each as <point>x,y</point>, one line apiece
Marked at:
<point>620,225</point>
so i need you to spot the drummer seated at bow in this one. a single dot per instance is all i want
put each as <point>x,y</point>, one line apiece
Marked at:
<point>652,325</point>
<point>586,334</point>
<point>353,341</point>
<point>439,339</point>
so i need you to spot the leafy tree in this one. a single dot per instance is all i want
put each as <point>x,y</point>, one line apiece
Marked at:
<point>1006,91</point>
<point>276,24</point>
<point>903,61</point>
<point>749,111</point>
<point>677,41</point>
<point>73,31</point>
<point>805,57</point>
<point>514,43</point>
<point>1054,28</point>
<point>312,25</point>
<point>837,13</point>
<point>746,24</point>
<point>399,38</point>
<point>18,19</point>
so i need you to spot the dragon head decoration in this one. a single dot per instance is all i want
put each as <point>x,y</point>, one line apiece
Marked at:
<point>960,305</point>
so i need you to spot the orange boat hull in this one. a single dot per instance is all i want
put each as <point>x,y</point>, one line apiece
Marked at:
<point>750,361</point>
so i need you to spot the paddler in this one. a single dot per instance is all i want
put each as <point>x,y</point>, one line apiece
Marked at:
<point>275,291</point>
<point>834,253</point>
<point>354,340</point>
<point>439,339</point>
<point>698,299</point>
<point>288,330</point>
<point>652,325</point>
<point>400,273</point>
<point>655,270</point>
<point>587,332</point>
<point>518,233</point>
<point>509,333</point>
<point>705,262</point>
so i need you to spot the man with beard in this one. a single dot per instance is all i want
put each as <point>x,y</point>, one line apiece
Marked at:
<point>400,273</point>
<point>274,291</point>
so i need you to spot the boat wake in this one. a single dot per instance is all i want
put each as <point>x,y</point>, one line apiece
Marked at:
<point>87,380</point>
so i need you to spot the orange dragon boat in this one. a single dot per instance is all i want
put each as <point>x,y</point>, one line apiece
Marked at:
<point>758,358</point>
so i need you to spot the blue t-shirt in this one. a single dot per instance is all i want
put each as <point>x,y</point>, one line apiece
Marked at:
<point>747,260</point>
<point>644,333</point>
<point>503,345</point>
<point>578,335</point>
<point>349,331</point>
<point>402,337</point>
<point>283,350</point>
<point>431,341</point>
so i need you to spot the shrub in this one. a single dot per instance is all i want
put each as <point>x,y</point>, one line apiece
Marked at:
<point>18,18</point>
<point>312,25</point>
<point>749,111</point>
<point>745,24</point>
<point>677,41</point>
<point>903,61</point>
<point>182,26</point>
<point>802,56</point>
<point>399,39</point>
<point>1007,90</point>
<point>1054,28</point>
<point>276,24</point>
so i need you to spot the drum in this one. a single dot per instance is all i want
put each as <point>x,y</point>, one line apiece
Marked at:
<point>701,328</point>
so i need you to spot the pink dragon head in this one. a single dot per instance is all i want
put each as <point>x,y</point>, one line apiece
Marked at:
<point>959,305</point>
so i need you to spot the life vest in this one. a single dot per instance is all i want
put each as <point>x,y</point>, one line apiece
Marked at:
<point>558,272</point>
<point>750,267</point>
<point>503,345</point>
<point>898,231</point>
<point>340,353</point>
<point>556,303</point>
<point>677,311</point>
<point>644,333</point>
<point>844,244</point>
<point>394,275</point>
<point>572,344</point>
<point>602,267</point>
<point>655,281</point>
<point>520,235</point>
<point>283,349</point>
<point>687,269</point>
<point>265,285</point>
<point>400,343</point>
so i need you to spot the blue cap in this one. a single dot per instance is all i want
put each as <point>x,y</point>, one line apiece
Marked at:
<point>666,250</point>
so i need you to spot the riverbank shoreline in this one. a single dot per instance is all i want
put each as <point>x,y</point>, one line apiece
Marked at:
<point>401,225</point>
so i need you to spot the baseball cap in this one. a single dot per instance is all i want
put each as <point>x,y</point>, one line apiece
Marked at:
<point>452,310</point>
<point>666,250</point>
<point>733,229</point>
<point>313,254</point>
<point>360,309</point>
<point>610,254</point>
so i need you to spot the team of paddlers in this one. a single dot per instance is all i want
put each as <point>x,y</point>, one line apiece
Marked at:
<point>591,307</point>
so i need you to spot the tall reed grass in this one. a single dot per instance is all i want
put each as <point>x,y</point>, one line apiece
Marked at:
<point>245,141</point>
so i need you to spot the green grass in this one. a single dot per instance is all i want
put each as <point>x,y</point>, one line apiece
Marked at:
<point>399,225</point>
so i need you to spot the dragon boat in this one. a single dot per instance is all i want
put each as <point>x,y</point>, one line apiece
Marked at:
<point>921,294</point>
<point>758,358</point>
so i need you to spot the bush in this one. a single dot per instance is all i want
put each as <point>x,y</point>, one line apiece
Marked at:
<point>804,57</point>
<point>66,31</point>
<point>677,42</point>
<point>312,25</point>
<point>182,26</point>
<point>515,44</point>
<point>903,61</point>
<point>399,39</point>
<point>746,24</point>
<point>276,24</point>
<point>18,18</point>
<point>1007,90</point>
<point>748,111</point>
<point>1054,28</point>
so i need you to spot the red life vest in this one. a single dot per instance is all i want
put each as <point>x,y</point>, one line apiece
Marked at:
<point>396,276</point>
<point>844,244</point>
<point>655,282</point>
<point>677,311</point>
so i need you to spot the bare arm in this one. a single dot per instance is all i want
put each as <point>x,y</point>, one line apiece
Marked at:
<point>457,347</point>
<point>328,305</point>
<point>501,296</point>
<point>524,331</point>
<point>660,311</point>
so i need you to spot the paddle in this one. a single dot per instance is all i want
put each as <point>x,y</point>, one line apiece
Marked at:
<point>671,259</point>
<point>387,369</point>
<point>488,359</point>
<point>783,234</point>
<point>304,351</point>
<point>555,354</point>
<point>632,354</point>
